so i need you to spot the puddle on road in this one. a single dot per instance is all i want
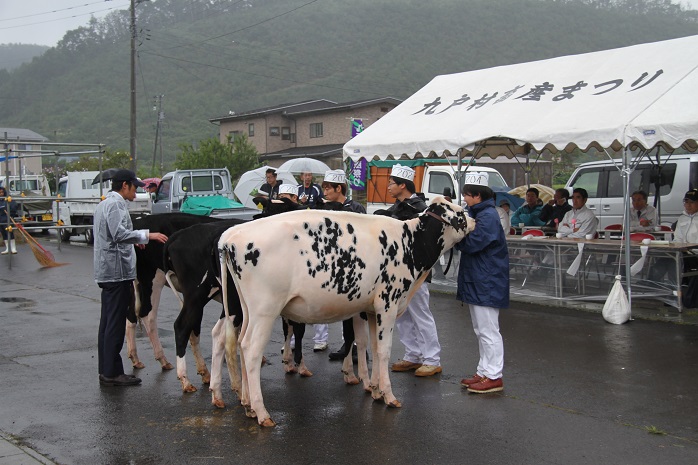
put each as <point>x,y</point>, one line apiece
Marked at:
<point>21,302</point>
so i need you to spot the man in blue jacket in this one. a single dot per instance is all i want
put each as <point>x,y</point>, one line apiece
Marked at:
<point>529,212</point>
<point>483,283</point>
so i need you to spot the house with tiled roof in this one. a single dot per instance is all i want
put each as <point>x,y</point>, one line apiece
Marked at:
<point>17,142</point>
<point>312,128</point>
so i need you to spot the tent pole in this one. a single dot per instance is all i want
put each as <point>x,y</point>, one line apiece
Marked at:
<point>625,173</point>
<point>459,154</point>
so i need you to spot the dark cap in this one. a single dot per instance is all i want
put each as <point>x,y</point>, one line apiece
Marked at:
<point>127,176</point>
<point>691,195</point>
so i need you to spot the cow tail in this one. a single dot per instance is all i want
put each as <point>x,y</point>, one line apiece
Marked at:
<point>223,255</point>
<point>168,272</point>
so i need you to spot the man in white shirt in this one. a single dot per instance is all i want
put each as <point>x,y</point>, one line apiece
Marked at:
<point>579,221</point>
<point>643,217</point>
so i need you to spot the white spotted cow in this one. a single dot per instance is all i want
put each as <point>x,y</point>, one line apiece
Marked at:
<point>335,265</point>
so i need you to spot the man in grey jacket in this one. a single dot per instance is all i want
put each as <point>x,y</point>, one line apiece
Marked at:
<point>114,272</point>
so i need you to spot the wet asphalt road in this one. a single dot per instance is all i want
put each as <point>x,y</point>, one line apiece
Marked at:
<point>577,390</point>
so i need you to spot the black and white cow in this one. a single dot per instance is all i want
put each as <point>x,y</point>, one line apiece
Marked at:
<point>150,279</point>
<point>343,263</point>
<point>192,268</point>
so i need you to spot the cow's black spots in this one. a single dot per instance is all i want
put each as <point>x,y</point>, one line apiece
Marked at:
<point>252,254</point>
<point>295,237</point>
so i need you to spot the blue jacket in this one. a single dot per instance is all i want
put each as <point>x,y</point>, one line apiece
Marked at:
<point>528,216</point>
<point>483,274</point>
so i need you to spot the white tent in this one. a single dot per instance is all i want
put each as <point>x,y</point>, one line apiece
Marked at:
<point>641,96</point>
<point>644,93</point>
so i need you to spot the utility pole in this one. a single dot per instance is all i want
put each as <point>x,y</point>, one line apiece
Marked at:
<point>134,161</point>
<point>158,131</point>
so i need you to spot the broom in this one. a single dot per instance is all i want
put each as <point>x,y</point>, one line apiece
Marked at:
<point>43,256</point>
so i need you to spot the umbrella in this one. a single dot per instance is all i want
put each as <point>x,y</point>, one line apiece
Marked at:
<point>106,175</point>
<point>545,193</point>
<point>253,180</point>
<point>305,165</point>
<point>147,181</point>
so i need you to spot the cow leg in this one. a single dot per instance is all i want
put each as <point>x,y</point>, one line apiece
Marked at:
<point>231,354</point>
<point>201,368</point>
<point>288,359</point>
<point>150,320</point>
<point>360,330</point>
<point>299,332</point>
<point>375,379</point>
<point>218,337</point>
<point>131,321</point>
<point>348,363</point>
<point>384,328</point>
<point>254,339</point>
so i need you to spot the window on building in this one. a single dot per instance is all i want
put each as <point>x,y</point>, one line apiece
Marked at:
<point>250,130</point>
<point>274,131</point>
<point>286,133</point>
<point>315,130</point>
<point>233,135</point>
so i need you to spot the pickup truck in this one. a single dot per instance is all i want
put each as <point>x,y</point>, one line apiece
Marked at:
<point>79,201</point>
<point>31,191</point>
<point>200,191</point>
<point>432,178</point>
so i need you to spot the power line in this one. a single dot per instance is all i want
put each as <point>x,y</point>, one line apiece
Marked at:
<point>57,19</point>
<point>53,11</point>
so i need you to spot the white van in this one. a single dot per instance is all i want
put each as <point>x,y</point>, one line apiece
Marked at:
<point>602,180</point>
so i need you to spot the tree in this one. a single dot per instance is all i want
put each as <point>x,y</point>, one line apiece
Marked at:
<point>238,155</point>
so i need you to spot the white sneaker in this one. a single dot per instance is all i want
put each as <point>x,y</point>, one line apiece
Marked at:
<point>320,346</point>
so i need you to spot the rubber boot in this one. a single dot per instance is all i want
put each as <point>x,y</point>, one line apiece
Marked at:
<point>13,247</point>
<point>7,247</point>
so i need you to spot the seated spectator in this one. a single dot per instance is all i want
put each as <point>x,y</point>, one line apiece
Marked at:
<point>504,204</point>
<point>529,212</point>
<point>554,211</point>
<point>271,187</point>
<point>643,217</point>
<point>686,230</point>
<point>579,221</point>
<point>504,217</point>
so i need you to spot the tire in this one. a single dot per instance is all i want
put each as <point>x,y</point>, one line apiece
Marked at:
<point>64,235</point>
<point>89,236</point>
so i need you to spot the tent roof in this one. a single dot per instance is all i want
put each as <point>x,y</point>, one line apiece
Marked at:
<point>639,95</point>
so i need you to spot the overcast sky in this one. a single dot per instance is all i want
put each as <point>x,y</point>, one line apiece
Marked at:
<point>45,22</point>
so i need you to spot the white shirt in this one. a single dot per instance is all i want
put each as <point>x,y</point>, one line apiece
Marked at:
<point>687,228</point>
<point>648,213</point>
<point>585,222</point>
<point>505,219</point>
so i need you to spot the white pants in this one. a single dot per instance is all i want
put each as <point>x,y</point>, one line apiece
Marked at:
<point>321,333</point>
<point>486,327</point>
<point>416,329</point>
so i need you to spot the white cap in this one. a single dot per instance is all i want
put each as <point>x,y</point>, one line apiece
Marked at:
<point>478,178</point>
<point>288,189</point>
<point>335,177</point>
<point>403,172</point>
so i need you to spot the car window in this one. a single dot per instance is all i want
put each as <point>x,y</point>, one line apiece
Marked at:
<point>589,180</point>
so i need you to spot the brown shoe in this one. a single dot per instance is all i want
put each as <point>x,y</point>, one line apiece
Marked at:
<point>404,365</point>
<point>487,385</point>
<point>472,380</point>
<point>427,370</point>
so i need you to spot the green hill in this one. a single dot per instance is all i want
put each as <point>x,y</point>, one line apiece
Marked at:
<point>209,58</point>
<point>13,55</point>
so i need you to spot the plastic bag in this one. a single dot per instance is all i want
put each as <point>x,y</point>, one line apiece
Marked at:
<point>616,310</point>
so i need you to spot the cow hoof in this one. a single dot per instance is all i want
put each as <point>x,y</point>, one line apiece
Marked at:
<point>249,412</point>
<point>394,404</point>
<point>189,388</point>
<point>206,378</point>
<point>218,403</point>
<point>291,369</point>
<point>268,423</point>
<point>167,367</point>
<point>138,365</point>
<point>305,373</point>
<point>368,389</point>
<point>351,380</point>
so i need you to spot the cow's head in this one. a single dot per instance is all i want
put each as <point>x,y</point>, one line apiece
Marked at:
<point>451,215</point>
